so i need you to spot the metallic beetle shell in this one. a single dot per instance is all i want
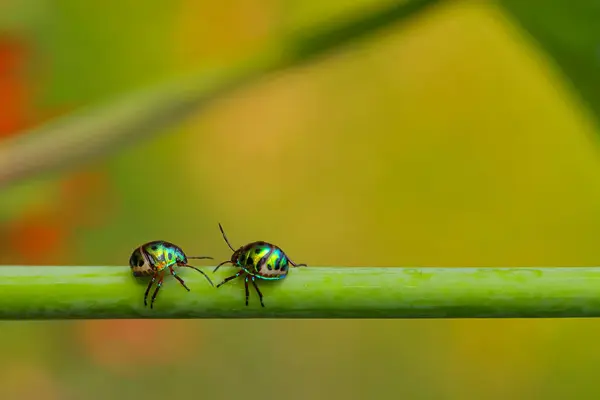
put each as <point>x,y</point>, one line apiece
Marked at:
<point>262,260</point>
<point>153,257</point>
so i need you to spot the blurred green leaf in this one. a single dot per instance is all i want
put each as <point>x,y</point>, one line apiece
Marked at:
<point>100,130</point>
<point>17,15</point>
<point>115,52</point>
<point>570,32</point>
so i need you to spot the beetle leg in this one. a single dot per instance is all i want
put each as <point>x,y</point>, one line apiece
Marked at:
<point>158,285</point>
<point>246,287</point>
<point>260,296</point>
<point>231,277</point>
<point>148,289</point>
<point>240,272</point>
<point>178,278</point>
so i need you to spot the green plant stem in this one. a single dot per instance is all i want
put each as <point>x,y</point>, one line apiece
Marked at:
<point>104,129</point>
<point>313,292</point>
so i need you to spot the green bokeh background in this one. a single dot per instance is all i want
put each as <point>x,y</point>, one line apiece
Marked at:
<point>450,140</point>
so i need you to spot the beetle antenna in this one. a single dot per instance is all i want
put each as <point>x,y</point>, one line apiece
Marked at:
<point>202,258</point>
<point>225,237</point>
<point>206,276</point>
<point>219,266</point>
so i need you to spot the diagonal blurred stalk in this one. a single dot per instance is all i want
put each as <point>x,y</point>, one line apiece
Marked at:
<point>99,131</point>
<point>313,292</point>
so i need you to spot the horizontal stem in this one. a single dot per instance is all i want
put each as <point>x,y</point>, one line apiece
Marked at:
<point>35,292</point>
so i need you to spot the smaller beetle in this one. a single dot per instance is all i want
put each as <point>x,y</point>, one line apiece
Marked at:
<point>257,260</point>
<point>152,258</point>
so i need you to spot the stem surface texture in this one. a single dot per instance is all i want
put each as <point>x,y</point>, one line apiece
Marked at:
<point>72,292</point>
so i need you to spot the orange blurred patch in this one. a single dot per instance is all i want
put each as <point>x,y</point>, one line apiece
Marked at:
<point>14,99</point>
<point>225,30</point>
<point>118,345</point>
<point>86,195</point>
<point>26,381</point>
<point>36,238</point>
<point>40,235</point>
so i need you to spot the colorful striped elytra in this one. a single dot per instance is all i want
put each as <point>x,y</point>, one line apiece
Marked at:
<point>152,258</point>
<point>257,260</point>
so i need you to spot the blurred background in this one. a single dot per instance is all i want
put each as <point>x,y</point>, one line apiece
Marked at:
<point>448,140</point>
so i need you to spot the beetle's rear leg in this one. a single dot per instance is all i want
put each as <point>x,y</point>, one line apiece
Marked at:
<point>158,285</point>
<point>260,296</point>
<point>148,288</point>
<point>246,287</point>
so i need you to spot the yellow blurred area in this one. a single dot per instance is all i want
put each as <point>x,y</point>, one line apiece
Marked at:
<point>450,140</point>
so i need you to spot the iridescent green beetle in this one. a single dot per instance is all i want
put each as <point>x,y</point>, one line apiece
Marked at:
<point>258,260</point>
<point>152,258</point>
